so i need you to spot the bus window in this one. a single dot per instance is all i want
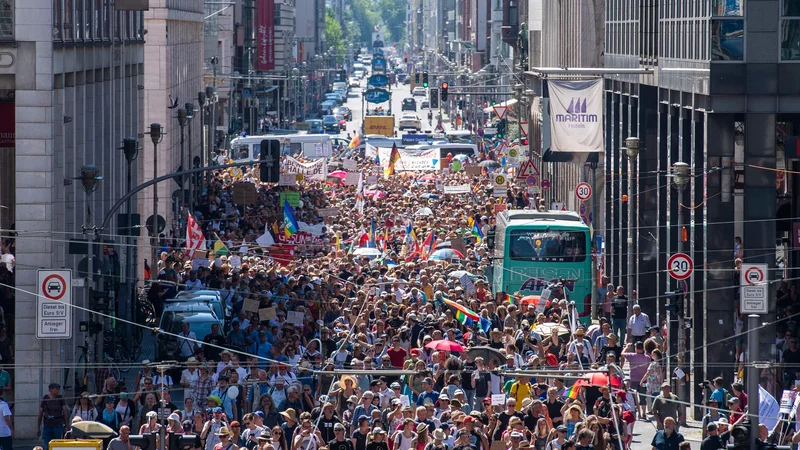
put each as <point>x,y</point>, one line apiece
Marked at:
<point>242,152</point>
<point>554,246</point>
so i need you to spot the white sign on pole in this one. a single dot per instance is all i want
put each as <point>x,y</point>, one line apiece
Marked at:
<point>287,179</point>
<point>54,304</point>
<point>754,289</point>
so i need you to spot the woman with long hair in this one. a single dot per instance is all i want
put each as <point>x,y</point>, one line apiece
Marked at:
<point>653,378</point>
<point>278,439</point>
<point>198,420</point>
<point>422,436</point>
<point>151,424</point>
<point>541,434</point>
<point>267,407</point>
<point>377,440</point>
<point>347,387</point>
<point>225,443</point>
<point>84,408</point>
<point>572,417</point>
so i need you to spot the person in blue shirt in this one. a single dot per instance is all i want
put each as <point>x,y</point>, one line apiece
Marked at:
<point>364,409</point>
<point>428,395</point>
<point>263,349</point>
<point>237,337</point>
<point>720,394</point>
<point>222,393</point>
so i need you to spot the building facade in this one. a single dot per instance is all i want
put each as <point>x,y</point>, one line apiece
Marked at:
<point>71,73</point>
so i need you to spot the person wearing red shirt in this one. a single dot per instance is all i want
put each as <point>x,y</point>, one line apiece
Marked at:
<point>397,354</point>
<point>738,392</point>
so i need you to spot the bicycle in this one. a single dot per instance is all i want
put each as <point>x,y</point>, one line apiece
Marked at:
<point>145,311</point>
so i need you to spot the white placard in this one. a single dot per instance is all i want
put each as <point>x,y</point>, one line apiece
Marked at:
<point>54,304</point>
<point>467,284</point>
<point>787,401</point>
<point>405,401</point>
<point>235,261</point>
<point>349,164</point>
<point>287,179</point>
<point>499,192</point>
<point>351,178</point>
<point>328,212</point>
<point>498,399</point>
<point>295,318</point>
<point>372,179</point>
<point>460,189</point>
<point>576,115</point>
<point>418,161</point>
<point>317,170</point>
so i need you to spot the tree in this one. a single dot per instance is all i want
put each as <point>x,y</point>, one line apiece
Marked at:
<point>334,35</point>
<point>366,16</point>
<point>394,16</point>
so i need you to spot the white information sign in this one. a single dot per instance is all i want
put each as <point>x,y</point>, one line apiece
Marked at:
<point>754,289</point>
<point>288,179</point>
<point>460,189</point>
<point>350,165</point>
<point>54,304</point>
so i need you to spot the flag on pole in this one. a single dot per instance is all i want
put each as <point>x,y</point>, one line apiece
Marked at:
<point>219,246</point>
<point>372,233</point>
<point>194,236</point>
<point>572,393</point>
<point>428,246</point>
<point>266,239</point>
<point>360,194</point>
<point>355,142</point>
<point>290,226</point>
<point>394,156</point>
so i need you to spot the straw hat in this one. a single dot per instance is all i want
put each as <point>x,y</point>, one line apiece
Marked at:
<point>224,431</point>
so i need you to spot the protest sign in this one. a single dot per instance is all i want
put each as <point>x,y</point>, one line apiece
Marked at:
<point>328,212</point>
<point>295,318</point>
<point>349,164</point>
<point>251,305</point>
<point>288,179</point>
<point>244,193</point>
<point>411,161</point>
<point>467,284</point>
<point>498,399</point>
<point>292,197</point>
<point>460,189</point>
<point>317,170</point>
<point>351,178</point>
<point>266,314</point>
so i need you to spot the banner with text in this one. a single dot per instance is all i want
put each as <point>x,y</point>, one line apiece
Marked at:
<point>266,35</point>
<point>411,161</point>
<point>576,116</point>
<point>317,170</point>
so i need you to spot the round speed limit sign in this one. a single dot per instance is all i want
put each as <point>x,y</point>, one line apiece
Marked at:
<point>583,191</point>
<point>680,266</point>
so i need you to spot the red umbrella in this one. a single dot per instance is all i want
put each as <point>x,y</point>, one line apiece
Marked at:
<point>448,346</point>
<point>533,299</point>
<point>600,379</point>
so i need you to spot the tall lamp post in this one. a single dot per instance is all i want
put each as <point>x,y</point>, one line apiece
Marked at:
<point>182,121</point>
<point>680,178</point>
<point>632,151</point>
<point>89,178</point>
<point>190,110</point>
<point>211,95</point>
<point>131,151</point>
<point>156,135</point>
<point>201,102</point>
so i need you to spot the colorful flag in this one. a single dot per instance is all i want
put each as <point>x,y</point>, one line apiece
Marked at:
<point>573,391</point>
<point>372,233</point>
<point>360,194</point>
<point>355,142</point>
<point>428,246</point>
<point>195,239</point>
<point>476,231</point>
<point>290,226</point>
<point>219,247</point>
<point>461,309</point>
<point>394,156</point>
<point>266,239</point>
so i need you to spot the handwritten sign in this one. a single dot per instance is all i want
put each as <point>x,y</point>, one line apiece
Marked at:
<point>295,318</point>
<point>251,305</point>
<point>372,179</point>
<point>787,401</point>
<point>460,189</point>
<point>352,178</point>
<point>288,179</point>
<point>328,212</point>
<point>405,401</point>
<point>467,284</point>
<point>498,399</point>
<point>317,170</point>
<point>292,197</point>
<point>349,164</point>
<point>267,314</point>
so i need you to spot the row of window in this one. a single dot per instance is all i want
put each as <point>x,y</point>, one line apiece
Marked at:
<point>94,20</point>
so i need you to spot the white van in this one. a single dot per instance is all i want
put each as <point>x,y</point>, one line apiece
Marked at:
<point>244,149</point>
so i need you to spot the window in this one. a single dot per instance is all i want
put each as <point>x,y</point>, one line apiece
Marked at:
<point>727,8</point>
<point>790,39</point>
<point>556,246</point>
<point>727,40</point>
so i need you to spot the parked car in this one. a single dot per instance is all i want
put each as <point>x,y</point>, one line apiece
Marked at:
<point>419,91</point>
<point>409,121</point>
<point>425,104</point>
<point>409,104</point>
<point>199,316</point>
<point>330,124</point>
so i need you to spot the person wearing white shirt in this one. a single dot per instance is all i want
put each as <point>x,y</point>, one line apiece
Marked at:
<point>6,433</point>
<point>638,324</point>
<point>587,346</point>
<point>188,377</point>
<point>188,341</point>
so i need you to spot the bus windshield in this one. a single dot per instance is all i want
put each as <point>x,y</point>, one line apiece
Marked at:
<point>547,246</point>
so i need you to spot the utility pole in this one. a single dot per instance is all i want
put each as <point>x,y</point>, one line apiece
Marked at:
<point>680,178</point>
<point>156,135</point>
<point>89,178</point>
<point>632,150</point>
<point>131,151</point>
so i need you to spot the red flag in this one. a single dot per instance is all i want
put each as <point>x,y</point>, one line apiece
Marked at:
<point>194,236</point>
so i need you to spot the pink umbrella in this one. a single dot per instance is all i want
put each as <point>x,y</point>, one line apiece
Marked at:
<point>444,345</point>
<point>338,174</point>
<point>428,178</point>
<point>375,194</point>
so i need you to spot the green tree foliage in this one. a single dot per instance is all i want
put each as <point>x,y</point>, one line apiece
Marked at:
<point>366,16</point>
<point>394,16</point>
<point>334,35</point>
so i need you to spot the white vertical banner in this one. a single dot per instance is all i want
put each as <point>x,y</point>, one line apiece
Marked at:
<point>576,116</point>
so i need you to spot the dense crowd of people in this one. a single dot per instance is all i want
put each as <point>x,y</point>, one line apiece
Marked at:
<point>380,356</point>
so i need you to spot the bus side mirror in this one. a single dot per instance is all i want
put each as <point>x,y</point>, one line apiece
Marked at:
<point>490,240</point>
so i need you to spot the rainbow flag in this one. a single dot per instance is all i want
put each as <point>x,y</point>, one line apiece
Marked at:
<point>573,391</point>
<point>372,234</point>
<point>289,220</point>
<point>468,317</point>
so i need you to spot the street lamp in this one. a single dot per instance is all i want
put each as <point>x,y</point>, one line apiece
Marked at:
<point>183,119</point>
<point>211,95</point>
<point>681,173</point>
<point>632,151</point>
<point>131,151</point>
<point>201,101</point>
<point>89,178</point>
<point>190,110</point>
<point>156,135</point>
<point>518,89</point>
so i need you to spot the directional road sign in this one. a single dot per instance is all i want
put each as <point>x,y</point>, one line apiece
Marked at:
<point>754,289</point>
<point>680,266</point>
<point>54,304</point>
<point>583,191</point>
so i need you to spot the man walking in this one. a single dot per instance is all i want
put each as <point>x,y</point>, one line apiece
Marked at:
<point>53,414</point>
<point>638,324</point>
<point>666,406</point>
<point>620,314</point>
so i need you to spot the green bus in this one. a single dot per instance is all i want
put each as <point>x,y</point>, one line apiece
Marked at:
<point>534,249</point>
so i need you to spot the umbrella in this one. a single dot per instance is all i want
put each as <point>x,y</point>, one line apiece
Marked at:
<point>457,274</point>
<point>367,251</point>
<point>600,379</point>
<point>429,196</point>
<point>424,212</point>
<point>489,164</point>
<point>448,346</point>
<point>338,174</point>
<point>445,254</point>
<point>546,329</point>
<point>462,157</point>
<point>91,430</point>
<point>428,178</point>
<point>534,300</point>
<point>443,244</point>
<point>487,353</point>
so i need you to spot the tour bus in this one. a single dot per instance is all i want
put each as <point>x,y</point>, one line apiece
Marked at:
<point>534,249</point>
<point>248,148</point>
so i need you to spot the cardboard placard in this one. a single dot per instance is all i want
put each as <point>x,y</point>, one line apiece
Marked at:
<point>244,193</point>
<point>349,164</point>
<point>467,284</point>
<point>266,314</point>
<point>787,401</point>
<point>352,178</point>
<point>328,212</point>
<point>288,179</point>
<point>405,401</point>
<point>473,171</point>
<point>251,305</point>
<point>295,318</point>
<point>372,179</point>
<point>236,261</point>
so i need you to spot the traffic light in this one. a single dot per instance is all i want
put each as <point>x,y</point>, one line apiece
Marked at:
<point>444,92</point>
<point>525,141</point>
<point>434,98</point>
<point>181,441</point>
<point>145,441</point>
<point>494,103</point>
<point>675,304</point>
<point>502,126</point>
<point>416,78</point>
<point>424,79</point>
<point>271,154</point>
